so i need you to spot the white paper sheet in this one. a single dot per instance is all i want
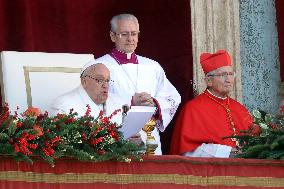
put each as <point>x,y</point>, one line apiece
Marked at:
<point>136,118</point>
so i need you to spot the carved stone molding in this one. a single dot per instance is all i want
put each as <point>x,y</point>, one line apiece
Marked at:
<point>215,25</point>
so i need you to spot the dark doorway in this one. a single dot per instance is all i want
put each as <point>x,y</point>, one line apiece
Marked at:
<point>83,27</point>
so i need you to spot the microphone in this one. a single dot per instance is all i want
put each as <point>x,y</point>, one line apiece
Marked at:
<point>125,109</point>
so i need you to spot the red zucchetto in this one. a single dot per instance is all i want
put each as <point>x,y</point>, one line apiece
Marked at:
<point>210,62</point>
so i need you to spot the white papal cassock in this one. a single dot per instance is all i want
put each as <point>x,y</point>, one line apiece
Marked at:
<point>77,100</point>
<point>146,76</point>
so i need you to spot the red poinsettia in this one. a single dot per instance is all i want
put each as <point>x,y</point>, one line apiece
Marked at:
<point>22,144</point>
<point>282,109</point>
<point>39,130</point>
<point>69,135</point>
<point>255,130</point>
<point>33,112</point>
<point>48,150</point>
<point>5,114</point>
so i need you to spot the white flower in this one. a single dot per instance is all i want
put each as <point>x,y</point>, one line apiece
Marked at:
<point>256,114</point>
<point>127,160</point>
<point>263,126</point>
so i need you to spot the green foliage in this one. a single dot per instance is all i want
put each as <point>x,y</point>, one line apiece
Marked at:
<point>265,139</point>
<point>84,138</point>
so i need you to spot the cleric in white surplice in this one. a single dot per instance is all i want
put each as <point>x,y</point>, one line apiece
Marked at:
<point>136,76</point>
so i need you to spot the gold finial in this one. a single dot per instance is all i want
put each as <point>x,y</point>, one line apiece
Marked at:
<point>151,143</point>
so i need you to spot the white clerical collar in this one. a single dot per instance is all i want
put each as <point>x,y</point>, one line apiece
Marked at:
<point>215,95</point>
<point>128,55</point>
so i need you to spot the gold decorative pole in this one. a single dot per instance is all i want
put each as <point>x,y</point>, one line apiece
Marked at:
<point>151,143</point>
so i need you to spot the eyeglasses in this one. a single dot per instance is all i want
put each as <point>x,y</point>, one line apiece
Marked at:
<point>127,34</point>
<point>100,81</point>
<point>223,75</point>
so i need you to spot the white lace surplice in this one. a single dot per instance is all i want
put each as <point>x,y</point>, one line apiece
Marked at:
<point>147,76</point>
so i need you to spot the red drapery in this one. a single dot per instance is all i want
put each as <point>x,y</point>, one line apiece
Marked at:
<point>83,27</point>
<point>165,172</point>
<point>279,4</point>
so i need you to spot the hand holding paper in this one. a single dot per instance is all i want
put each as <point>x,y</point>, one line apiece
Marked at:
<point>136,118</point>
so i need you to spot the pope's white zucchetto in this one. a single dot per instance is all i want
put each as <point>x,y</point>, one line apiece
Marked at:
<point>88,64</point>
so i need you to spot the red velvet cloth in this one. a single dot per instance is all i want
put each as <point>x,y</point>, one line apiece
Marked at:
<point>83,27</point>
<point>203,120</point>
<point>167,172</point>
<point>279,4</point>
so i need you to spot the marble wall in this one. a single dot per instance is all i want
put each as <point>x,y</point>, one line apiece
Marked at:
<point>248,30</point>
<point>259,55</point>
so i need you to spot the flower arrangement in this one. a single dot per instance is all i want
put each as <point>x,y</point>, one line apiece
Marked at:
<point>265,138</point>
<point>33,134</point>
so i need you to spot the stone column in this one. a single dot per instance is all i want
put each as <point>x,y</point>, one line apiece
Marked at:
<point>260,55</point>
<point>215,25</point>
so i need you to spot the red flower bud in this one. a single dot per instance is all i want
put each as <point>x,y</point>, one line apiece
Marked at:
<point>255,130</point>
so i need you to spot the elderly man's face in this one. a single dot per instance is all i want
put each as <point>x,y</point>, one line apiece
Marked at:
<point>221,82</point>
<point>96,83</point>
<point>126,36</point>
